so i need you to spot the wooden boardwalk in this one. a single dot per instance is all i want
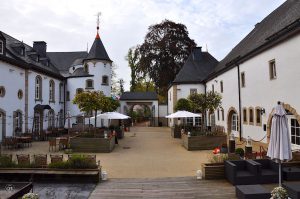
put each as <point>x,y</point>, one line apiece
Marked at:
<point>169,188</point>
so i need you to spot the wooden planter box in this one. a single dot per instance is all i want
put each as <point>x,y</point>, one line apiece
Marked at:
<point>213,171</point>
<point>202,142</point>
<point>92,145</point>
<point>50,175</point>
<point>176,132</point>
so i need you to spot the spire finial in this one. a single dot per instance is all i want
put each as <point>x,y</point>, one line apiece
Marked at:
<point>98,22</point>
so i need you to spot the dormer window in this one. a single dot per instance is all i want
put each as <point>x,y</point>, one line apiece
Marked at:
<point>1,48</point>
<point>22,52</point>
<point>86,68</point>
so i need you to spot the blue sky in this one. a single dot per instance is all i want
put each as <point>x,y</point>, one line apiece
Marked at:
<point>69,25</point>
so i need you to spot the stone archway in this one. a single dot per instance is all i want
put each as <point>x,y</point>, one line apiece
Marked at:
<point>287,107</point>
<point>3,124</point>
<point>230,112</point>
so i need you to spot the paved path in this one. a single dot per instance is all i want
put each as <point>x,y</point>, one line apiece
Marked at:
<point>151,152</point>
<point>167,188</point>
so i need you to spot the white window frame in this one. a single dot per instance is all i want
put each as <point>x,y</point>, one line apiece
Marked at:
<point>105,83</point>
<point>272,69</point>
<point>190,121</point>
<point>193,91</point>
<point>234,124</point>
<point>197,121</point>
<point>86,84</point>
<point>51,91</point>
<point>295,146</point>
<point>38,88</point>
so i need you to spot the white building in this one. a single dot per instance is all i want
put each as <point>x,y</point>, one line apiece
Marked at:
<point>259,71</point>
<point>37,87</point>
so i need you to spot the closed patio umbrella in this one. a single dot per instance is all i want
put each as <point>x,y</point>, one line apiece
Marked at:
<point>280,145</point>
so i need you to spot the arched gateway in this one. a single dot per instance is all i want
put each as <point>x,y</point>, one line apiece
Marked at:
<point>148,101</point>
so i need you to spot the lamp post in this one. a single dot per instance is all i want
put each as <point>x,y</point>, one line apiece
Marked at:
<point>231,143</point>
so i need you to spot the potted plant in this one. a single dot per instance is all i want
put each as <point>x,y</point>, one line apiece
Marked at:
<point>279,193</point>
<point>30,196</point>
<point>240,152</point>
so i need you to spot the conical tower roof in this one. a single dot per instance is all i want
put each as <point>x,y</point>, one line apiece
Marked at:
<point>98,51</point>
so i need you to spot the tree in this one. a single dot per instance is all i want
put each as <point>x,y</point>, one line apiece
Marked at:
<point>111,105</point>
<point>114,82</point>
<point>121,84</point>
<point>183,105</point>
<point>161,56</point>
<point>133,57</point>
<point>205,102</point>
<point>91,101</point>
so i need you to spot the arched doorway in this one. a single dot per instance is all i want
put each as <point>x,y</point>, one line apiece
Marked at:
<point>2,124</point>
<point>141,114</point>
<point>233,122</point>
<point>293,122</point>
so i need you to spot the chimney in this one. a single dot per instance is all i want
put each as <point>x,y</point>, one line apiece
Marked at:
<point>40,47</point>
<point>197,53</point>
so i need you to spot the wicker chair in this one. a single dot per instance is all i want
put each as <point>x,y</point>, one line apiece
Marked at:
<point>56,158</point>
<point>23,159</point>
<point>40,160</point>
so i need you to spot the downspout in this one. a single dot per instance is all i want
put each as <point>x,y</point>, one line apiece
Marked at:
<point>240,105</point>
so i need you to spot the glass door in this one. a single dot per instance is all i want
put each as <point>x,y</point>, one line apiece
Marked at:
<point>234,124</point>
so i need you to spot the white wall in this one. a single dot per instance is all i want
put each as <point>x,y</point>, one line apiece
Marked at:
<point>263,92</point>
<point>13,79</point>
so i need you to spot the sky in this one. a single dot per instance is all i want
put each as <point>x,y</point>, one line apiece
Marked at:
<point>70,25</point>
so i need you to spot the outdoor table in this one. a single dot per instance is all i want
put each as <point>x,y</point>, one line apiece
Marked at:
<point>252,192</point>
<point>291,173</point>
<point>293,189</point>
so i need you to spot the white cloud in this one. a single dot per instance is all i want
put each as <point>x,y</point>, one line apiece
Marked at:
<point>68,25</point>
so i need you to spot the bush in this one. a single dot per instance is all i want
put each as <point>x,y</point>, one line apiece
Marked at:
<point>183,105</point>
<point>240,152</point>
<point>75,162</point>
<point>219,158</point>
<point>5,162</point>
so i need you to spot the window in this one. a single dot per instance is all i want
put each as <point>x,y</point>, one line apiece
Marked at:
<point>20,94</point>
<point>68,96</point>
<point>1,48</point>
<point>222,111</point>
<point>243,79</point>
<point>38,88</point>
<point>104,80</point>
<point>212,119</point>
<point>193,91</point>
<point>213,88</point>
<point>251,116</point>
<point>51,119</point>
<point>2,91</point>
<point>295,132</point>
<point>17,122</point>
<point>86,68</point>
<point>89,83</point>
<point>37,121</point>
<point>61,94</point>
<point>79,90</point>
<point>189,121</point>
<point>272,69</point>
<point>245,117</point>
<point>218,114</point>
<point>221,86</point>
<point>61,118</point>
<point>197,121</point>
<point>51,91</point>
<point>258,116</point>
<point>234,122</point>
<point>22,51</point>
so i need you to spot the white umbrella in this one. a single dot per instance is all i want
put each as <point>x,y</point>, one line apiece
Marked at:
<point>180,114</point>
<point>280,145</point>
<point>113,116</point>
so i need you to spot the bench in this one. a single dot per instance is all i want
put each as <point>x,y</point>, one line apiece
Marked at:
<point>252,192</point>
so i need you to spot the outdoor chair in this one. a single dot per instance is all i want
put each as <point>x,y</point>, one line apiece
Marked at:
<point>241,172</point>
<point>268,171</point>
<point>23,159</point>
<point>40,160</point>
<point>52,144</point>
<point>56,158</point>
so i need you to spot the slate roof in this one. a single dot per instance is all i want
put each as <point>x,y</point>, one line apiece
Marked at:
<point>64,60</point>
<point>13,47</point>
<point>80,72</point>
<point>139,96</point>
<point>98,51</point>
<point>276,24</point>
<point>196,68</point>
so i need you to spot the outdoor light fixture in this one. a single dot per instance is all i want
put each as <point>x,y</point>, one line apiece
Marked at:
<point>248,141</point>
<point>262,111</point>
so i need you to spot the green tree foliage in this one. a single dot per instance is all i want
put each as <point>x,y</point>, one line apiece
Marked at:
<point>121,84</point>
<point>183,105</point>
<point>163,53</point>
<point>133,57</point>
<point>112,105</point>
<point>205,102</point>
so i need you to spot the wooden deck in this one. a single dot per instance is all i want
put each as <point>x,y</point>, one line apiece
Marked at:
<point>175,188</point>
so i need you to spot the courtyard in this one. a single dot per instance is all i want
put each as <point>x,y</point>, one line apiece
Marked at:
<point>145,152</point>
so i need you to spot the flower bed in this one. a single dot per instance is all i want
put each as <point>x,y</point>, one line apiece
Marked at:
<point>202,142</point>
<point>92,145</point>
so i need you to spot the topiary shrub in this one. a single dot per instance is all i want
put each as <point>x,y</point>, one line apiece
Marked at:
<point>240,152</point>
